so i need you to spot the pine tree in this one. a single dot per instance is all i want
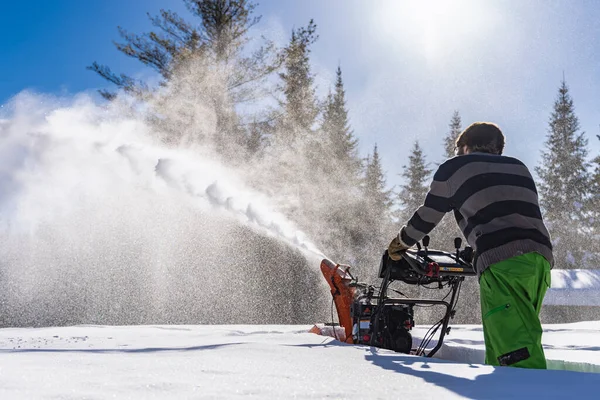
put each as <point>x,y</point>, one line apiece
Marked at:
<point>594,206</point>
<point>204,65</point>
<point>375,213</point>
<point>595,187</point>
<point>444,233</point>
<point>221,34</point>
<point>255,140</point>
<point>293,150</point>
<point>300,104</point>
<point>416,175</point>
<point>298,152</point>
<point>450,139</point>
<point>377,197</point>
<point>411,196</point>
<point>564,179</point>
<point>341,142</point>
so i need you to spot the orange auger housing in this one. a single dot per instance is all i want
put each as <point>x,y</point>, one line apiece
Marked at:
<point>339,279</point>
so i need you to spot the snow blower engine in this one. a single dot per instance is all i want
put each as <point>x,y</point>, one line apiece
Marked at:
<point>369,316</point>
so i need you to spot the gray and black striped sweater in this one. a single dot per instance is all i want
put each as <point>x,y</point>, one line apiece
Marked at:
<point>495,203</point>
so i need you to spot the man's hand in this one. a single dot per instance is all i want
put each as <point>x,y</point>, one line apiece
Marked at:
<point>396,248</point>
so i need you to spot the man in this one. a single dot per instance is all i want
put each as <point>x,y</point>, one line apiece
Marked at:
<point>495,203</point>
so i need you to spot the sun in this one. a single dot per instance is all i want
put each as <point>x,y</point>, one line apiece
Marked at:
<point>433,27</point>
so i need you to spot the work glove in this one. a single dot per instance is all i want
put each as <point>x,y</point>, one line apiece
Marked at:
<point>396,248</point>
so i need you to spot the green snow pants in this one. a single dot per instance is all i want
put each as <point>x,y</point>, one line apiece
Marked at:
<point>511,293</point>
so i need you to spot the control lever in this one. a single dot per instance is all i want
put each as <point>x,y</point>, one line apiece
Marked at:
<point>457,244</point>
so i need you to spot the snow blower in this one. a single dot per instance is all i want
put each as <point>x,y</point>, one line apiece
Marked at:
<point>367,315</point>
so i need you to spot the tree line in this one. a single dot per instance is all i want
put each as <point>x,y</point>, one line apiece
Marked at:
<point>255,104</point>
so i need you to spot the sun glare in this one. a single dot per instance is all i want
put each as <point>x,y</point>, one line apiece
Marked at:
<point>433,27</point>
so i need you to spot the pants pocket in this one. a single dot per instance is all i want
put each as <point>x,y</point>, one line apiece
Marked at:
<point>496,309</point>
<point>504,333</point>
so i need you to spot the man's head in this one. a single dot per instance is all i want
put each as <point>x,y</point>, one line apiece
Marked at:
<point>482,137</point>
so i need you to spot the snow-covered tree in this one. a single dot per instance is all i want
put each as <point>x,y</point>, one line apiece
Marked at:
<point>564,182</point>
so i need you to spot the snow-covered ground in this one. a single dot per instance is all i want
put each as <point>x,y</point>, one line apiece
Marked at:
<point>185,362</point>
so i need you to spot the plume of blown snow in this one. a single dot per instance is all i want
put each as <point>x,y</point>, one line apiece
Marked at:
<point>100,222</point>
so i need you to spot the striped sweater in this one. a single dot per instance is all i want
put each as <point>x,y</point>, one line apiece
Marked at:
<point>495,203</point>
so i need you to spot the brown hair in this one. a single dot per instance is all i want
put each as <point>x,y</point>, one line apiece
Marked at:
<point>484,137</point>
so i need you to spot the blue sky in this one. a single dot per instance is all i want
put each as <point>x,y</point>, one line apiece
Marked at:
<point>407,64</point>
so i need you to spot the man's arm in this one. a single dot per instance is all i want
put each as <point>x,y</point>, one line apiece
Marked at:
<point>437,203</point>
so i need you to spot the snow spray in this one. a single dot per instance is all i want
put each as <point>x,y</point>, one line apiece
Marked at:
<point>101,223</point>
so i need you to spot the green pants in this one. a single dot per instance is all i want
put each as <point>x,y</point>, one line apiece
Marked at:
<point>512,292</point>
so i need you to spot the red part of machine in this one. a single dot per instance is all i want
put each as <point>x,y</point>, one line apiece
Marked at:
<point>338,277</point>
<point>433,270</point>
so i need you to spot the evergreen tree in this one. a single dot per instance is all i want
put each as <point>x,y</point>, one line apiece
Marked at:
<point>293,148</point>
<point>595,187</point>
<point>204,65</point>
<point>450,139</point>
<point>416,176</point>
<point>340,139</point>
<point>255,139</point>
<point>366,219</point>
<point>300,104</point>
<point>594,205</point>
<point>378,199</point>
<point>444,233</point>
<point>375,213</point>
<point>297,151</point>
<point>221,35</point>
<point>341,167</point>
<point>564,181</point>
<point>411,196</point>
